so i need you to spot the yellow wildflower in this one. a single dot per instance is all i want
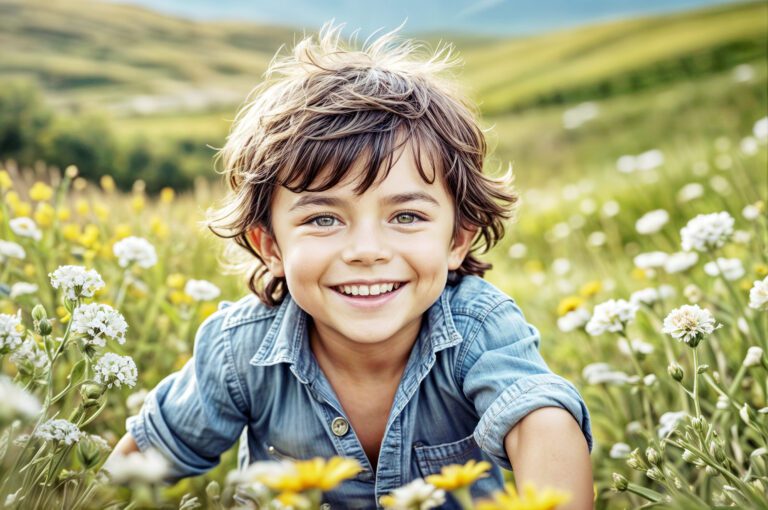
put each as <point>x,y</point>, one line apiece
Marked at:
<point>569,304</point>
<point>761,270</point>
<point>62,313</point>
<point>22,209</point>
<point>457,476</point>
<point>12,198</point>
<point>158,228</point>
<point>90,236</point>
<point>638,273</point>
<point>82,207</point>
<point>167,195</point>
<point>175,280</point>
<point>101,211</point>
<point>40,192</point>
<point>178,297</point>
<point>533,266</point>
<point>71,231</point>
<point>293,500</point>
<point>44,214</point>
<point>122,231</point>
<point>206,309</point>
<point>138,203</point>
<point>589,289</point>
<point>79,184</point>
<point>30,270</point>
<point>107,183</point>
<point>5,180</point>
<point>509,499</point>
<point>317,473</point>
<point>63,214</point>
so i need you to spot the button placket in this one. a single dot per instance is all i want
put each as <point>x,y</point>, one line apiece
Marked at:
<point>339,426</point>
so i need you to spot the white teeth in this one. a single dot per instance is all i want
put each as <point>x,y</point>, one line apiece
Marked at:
<point>363,290</point>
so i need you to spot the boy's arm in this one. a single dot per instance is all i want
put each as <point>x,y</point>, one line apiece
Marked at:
<point>548,449</point>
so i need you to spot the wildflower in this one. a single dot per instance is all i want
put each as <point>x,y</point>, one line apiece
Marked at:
<point>707,231</point>
<point>612,315</point>
<point>16,401</point>
<point>531,499</point>
<point>760,130</point>
<point>573,320</point>
<point>138,467</point>
<point>561,266</point>
<point>689,324</point>
<point>59,430</point>
<point>417,495</point>
<point>758,295</point>
<point>201,290</point>
<point>167,195</point>
<point>750,212</point>
<point>517,251</point>
<point>651,222</point>
<point>602,373</point>
<point>611,208</point>
<point>620,451</point>
<point>22,288</point>
<point>107,183</point>
<point>690,191</point>
<point>650,380</point>
<point>693,293</point>
<point>76,281</point>
<point>748,146</point>
<point>9,249</point>
<point>669,421</point>
<point>317,473</point>
<point>97,323</point>
<point>649,160</point>
<point>731,269</point>
<point>135,249</point>
<point>113,369</point>
<point>647,296</point>
<point>589,289</point>
<point>40,192</point>
<point>569,304</point>
<point>457,476</point>
<point>10,334</point>
<point>626,164</point>
<point>29,354</point>
<point>723,403</point>
<point>5,181</point>
<point>753,357</point>
<point>651,260</point>
<point>636,345</point>
<point>25,227</point>
<point>597,238</point>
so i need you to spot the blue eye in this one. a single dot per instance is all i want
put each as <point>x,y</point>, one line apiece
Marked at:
<point>314,222</point>
<point>326,220</point>
<point>409,214</point>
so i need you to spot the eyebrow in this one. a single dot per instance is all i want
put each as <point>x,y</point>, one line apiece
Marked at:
<point>331,201</point>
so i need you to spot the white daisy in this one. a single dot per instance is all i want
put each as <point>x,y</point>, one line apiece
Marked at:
<point>573,320</point>
<point>612,315</point>
<point>758,295</point>
<point>135,249</point>
<point>750,212</point>
<point>201,290</point>
<point>97,323</point>
<point>689,324</point>
<point>76,281</point>
<point>651,260</point>
<point>29,354</point>
<point>651,222</point>
<point>25,227</point>
<point>707,231</point>
<point>9,249</point>
<point>680,261</point>
<point>10,336</point>
<point>113,369</point>
<point>690,191</point>
<point>417,495</point>
<point>731,269</point>
<point>647,296</point>
<point>59,430</point>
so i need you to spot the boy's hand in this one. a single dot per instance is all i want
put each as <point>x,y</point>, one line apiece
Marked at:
<point>125,446</point>
<point>548,449</point>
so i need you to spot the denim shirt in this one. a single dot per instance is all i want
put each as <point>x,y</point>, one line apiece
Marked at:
<point>474,371</point>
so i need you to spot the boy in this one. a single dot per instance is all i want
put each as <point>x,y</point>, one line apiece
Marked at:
<point>358,189</point>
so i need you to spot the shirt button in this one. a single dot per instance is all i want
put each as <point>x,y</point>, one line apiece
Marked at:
<point>339,426</point>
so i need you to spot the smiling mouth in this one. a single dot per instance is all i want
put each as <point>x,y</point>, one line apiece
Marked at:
<point>370,296</point>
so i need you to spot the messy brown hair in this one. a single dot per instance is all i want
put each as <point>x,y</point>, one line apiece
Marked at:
<point>327,107</point>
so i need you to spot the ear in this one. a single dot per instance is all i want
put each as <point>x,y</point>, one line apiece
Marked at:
<point>267,248</point>
<point>461,245</point>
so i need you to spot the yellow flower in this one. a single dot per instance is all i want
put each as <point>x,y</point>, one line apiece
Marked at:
<point>638,273</point>
<point>589,289</point>
<point>158,228</point>
<point>293,500</point>
<point>761,269</point>
<point>167,195</point>
<point>533,266</point>
<point>40,192</point>
<point>569,304</point>
<point>22,209</point>
<point>175,280</point>
<point>509,499</point>
<point>44,214</point>
<point>63,214</point>
<point>5,180</point>
<point>137,203</point>
<point>62,313</point>
<point>456,476</point>
<point>90,236</point>
<point>30,270</point>
<point>107,183</point>
<point>122,231</point>
<point>12,198</point>
<point>82,207</point>
<point>101,211</point>
<point>206,309</point>
<point>316,473</point>
<point>71,231</point>
<point>178,297</point>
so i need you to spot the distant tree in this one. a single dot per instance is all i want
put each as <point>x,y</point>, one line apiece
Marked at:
<point>24,118</point>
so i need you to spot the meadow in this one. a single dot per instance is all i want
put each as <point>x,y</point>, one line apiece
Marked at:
<point>639,251</point>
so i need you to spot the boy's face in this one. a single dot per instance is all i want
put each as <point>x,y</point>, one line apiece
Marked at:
<point>365,238</point>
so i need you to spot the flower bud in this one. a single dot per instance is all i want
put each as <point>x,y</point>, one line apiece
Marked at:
<point>91,393</point>
<point>655,474</point>
<point>38,312</point>
<point>702,369</point>
<point>635,461</point>
<point>699,424</point>
<point>653,456</point>
<point>689,456</point>
<point>88,452</point>
<point>620,482</point>
<point>717,451</point>
<point>44,327</point>
<point>675,371</point>
<point>711,471</point>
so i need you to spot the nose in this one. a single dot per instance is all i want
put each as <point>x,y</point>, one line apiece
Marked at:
<point>366,244</point>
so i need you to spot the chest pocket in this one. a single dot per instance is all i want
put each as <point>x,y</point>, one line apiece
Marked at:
<point>432,458</point>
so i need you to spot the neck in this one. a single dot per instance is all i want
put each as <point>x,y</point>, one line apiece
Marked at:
<point>384,360</point>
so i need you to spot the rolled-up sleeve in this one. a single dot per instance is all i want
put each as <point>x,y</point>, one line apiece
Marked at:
<point>504,376</point>
<point>194,415</point>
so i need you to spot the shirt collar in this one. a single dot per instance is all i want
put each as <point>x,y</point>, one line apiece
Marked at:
<point>287,340</point>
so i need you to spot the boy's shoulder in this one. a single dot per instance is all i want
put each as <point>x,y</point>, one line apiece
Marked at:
<point>232,314</point>
<point>475,297</point>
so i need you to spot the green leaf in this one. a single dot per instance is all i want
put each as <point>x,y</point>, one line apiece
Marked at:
<point>77,372</point>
